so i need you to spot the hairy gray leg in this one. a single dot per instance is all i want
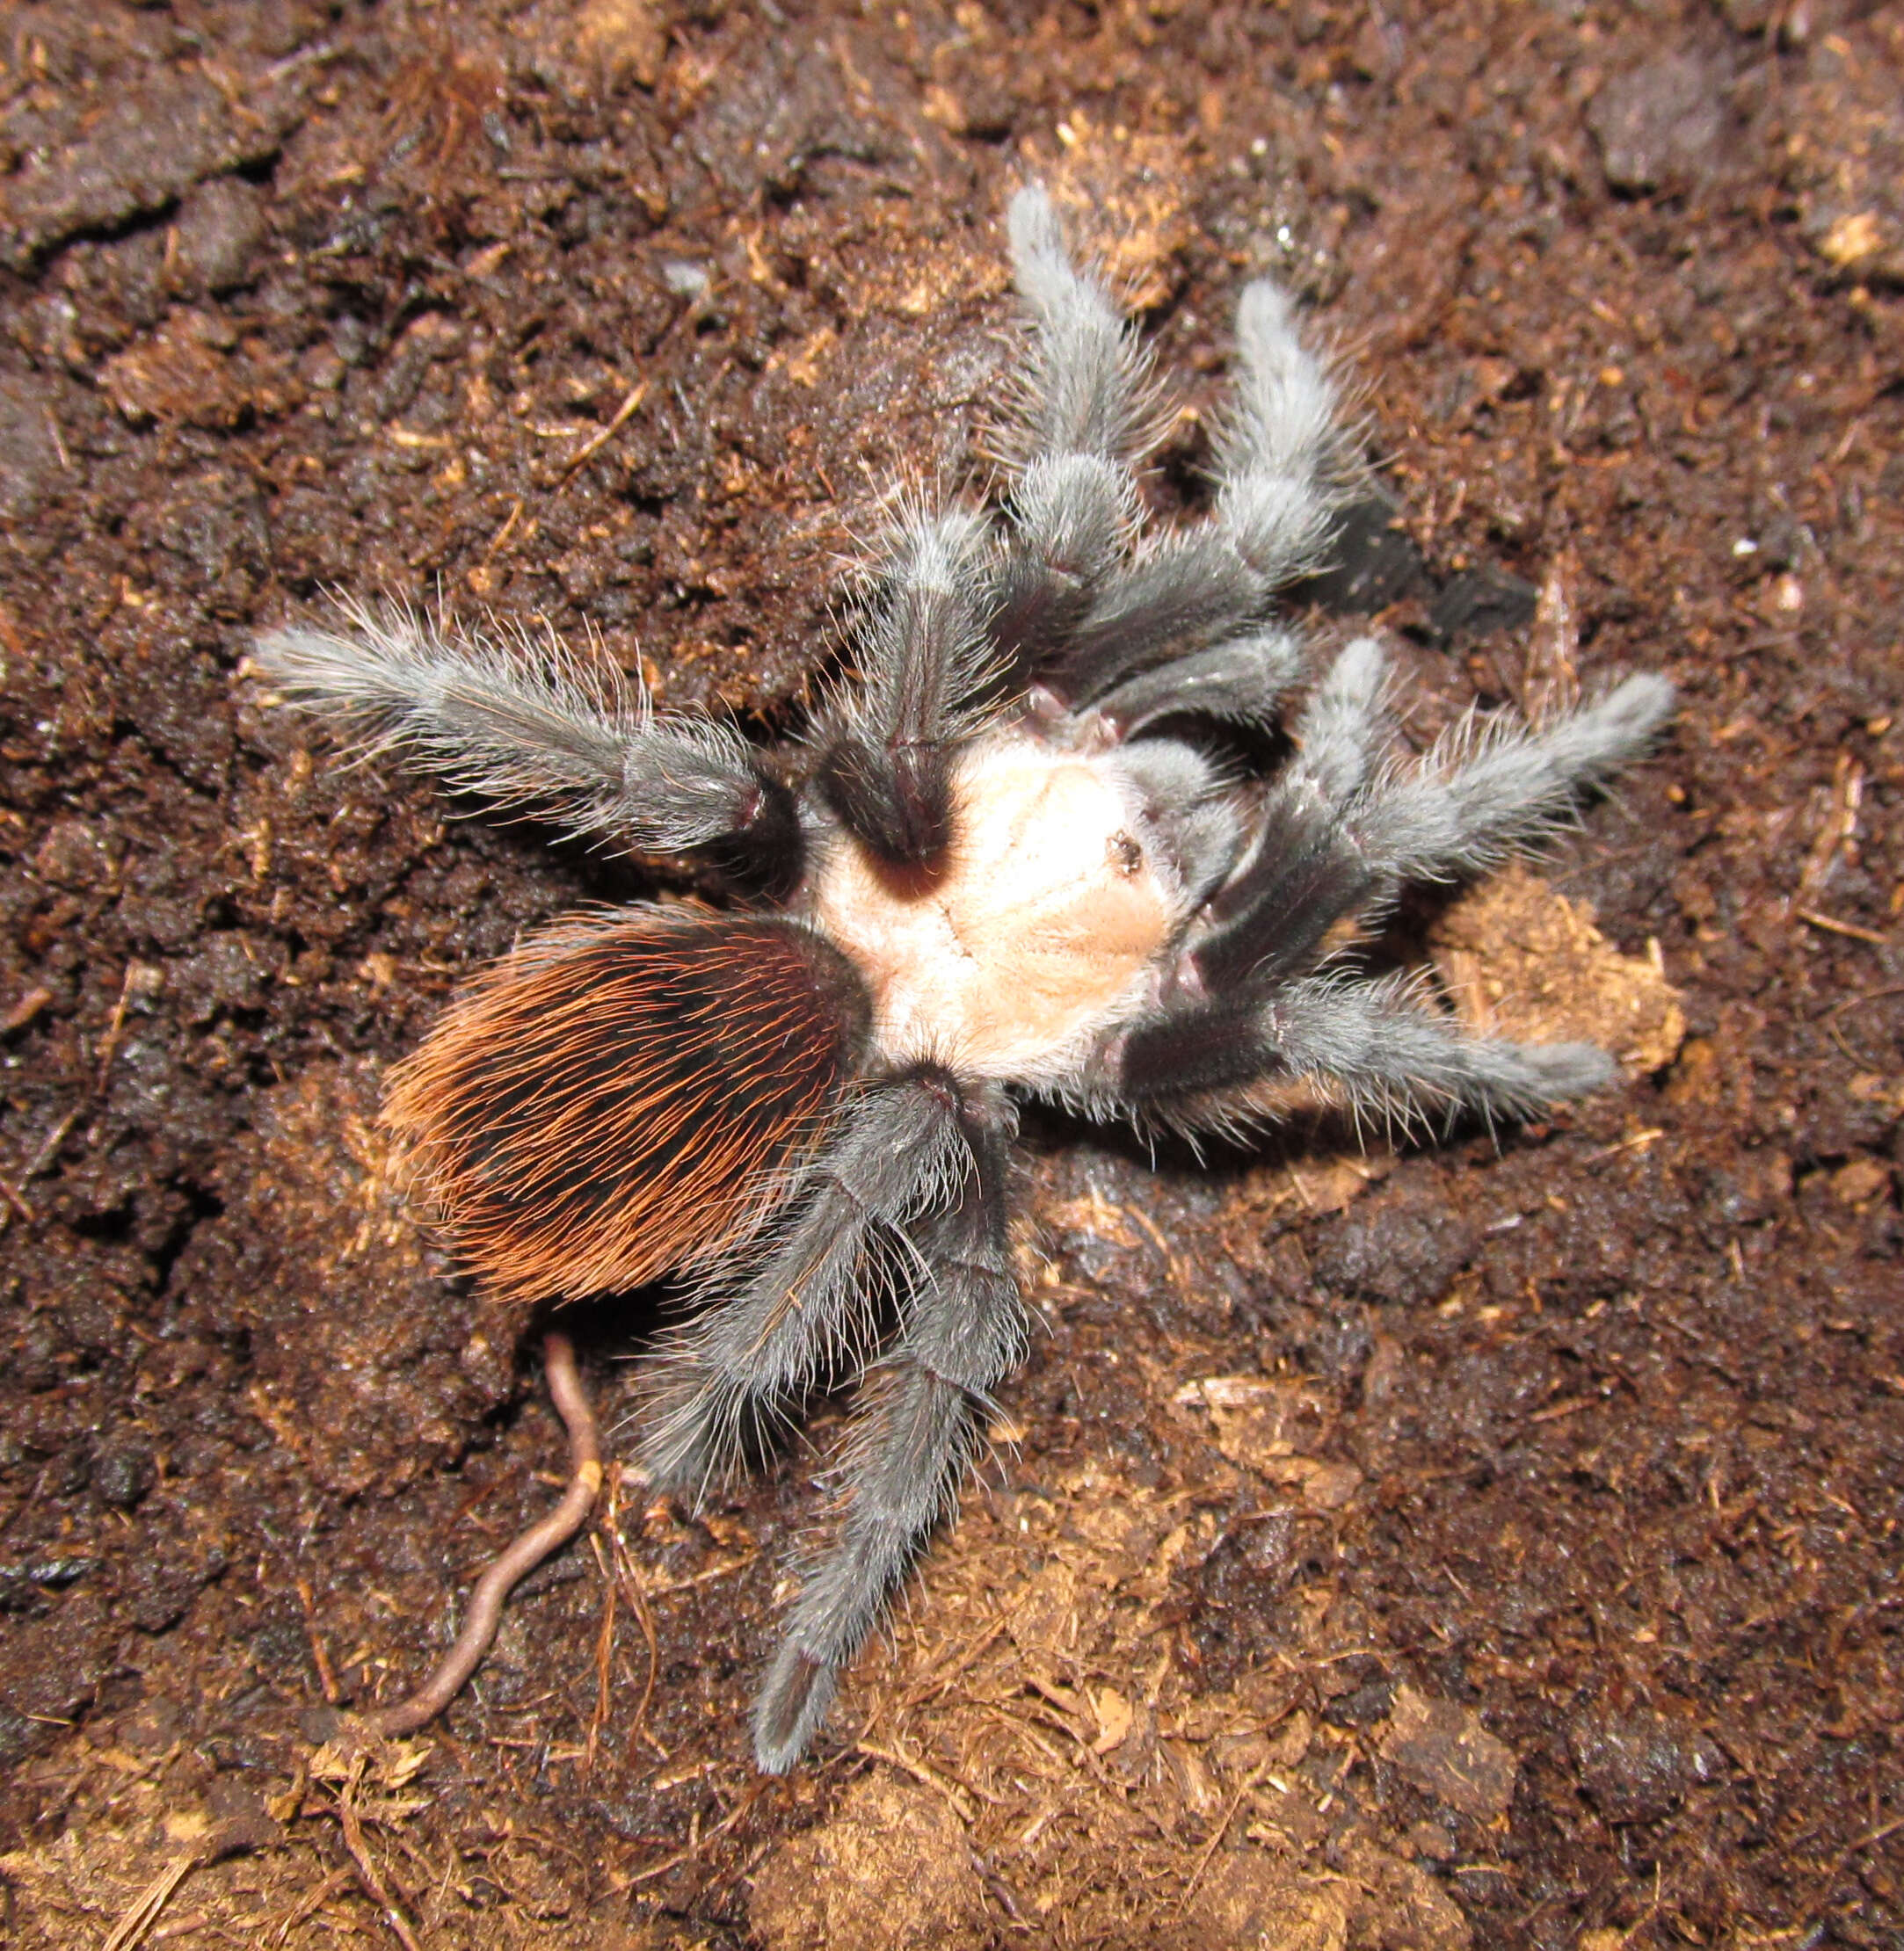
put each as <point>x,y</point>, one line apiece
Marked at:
<point>531,726</point>
<point>1085,392</point>
<point>964,1331</point>
<point>1336,836</point>
<point>1178,595</point>
<point>1339,732</point>
<point>1070,611</point>
<point>889,744</point>
<point>1378,1047</point>
<point>1079,415</point>
<point>1280,444</point>
<point>1494,782</point>
<point>812,1296</point>
<point>1341,832</point>
<point>1304,871</point>
<point>1370,1045</point>
<point>1241,681</point>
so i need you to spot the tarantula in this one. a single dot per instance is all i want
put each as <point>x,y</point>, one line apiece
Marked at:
<point>1014,854</point>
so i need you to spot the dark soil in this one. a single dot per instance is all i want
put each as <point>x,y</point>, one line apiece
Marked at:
<point>1566,1600</point>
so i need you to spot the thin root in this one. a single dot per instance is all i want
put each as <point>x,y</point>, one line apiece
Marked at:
<point>521,1557</point>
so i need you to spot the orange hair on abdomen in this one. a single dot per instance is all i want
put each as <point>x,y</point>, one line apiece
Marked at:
<point>618,1096</point>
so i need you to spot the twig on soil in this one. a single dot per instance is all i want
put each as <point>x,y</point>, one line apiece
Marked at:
<point>26,1010</point>
<point>602,436</point>
<point>228,1837</point>
<point>627,1575</point>
<point>518,1558</point>
<point>140,1917</point>
<point>1830,1018</point>
<point>366,1870</point>
<point>52,1142</point>
<point>12,1193</point>
<point>714,1835</point>
<point>481,1496</point>
<point>605,1635</point>
<point>136,977</point>
<point>1000,1890</point>
<point>1637,1141</point>
<point>1839,829</point>
<point>59,439</point>
<point>953,1792</point>
<point>938,1682</point>
<point>319,1655</point>
<point>1222,1830</point>
<point>508,529</point>
<point>312,1900</point>
<point>723,1568</point>
<point>1832,925</point>
<point>1178,1272</point>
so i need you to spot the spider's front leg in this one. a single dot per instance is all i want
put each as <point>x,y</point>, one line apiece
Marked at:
<point>887,749</point>
<point>1079,611</point>
<point>1341,831</point>
<point>1073,505</point>
<point>1345,826</point>
<point>541,730</point>
<point>1240,682</point>
<point>964,1331</point>
<point>1280,447</point>
<point>1076,610</point>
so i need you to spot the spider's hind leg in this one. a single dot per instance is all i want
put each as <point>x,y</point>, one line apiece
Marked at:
<point>964,1331</point>
<point>808,1299</point>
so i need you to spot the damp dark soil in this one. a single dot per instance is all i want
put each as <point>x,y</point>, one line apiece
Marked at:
<point>1488,1541</point>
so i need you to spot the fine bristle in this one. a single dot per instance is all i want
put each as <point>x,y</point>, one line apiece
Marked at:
<point>621,1096</point>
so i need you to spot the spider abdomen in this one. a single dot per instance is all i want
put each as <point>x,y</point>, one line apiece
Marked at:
<point>616,1096</point>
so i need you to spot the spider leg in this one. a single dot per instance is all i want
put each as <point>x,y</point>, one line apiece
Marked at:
<point>887,747</point>
<point>1281,443</point>
<point>964,1331</point>
<point>1240,681</point>
<point>1073,505</point>
<point>530,729</point>
<point>1273,512</point>
<point>1341,832</point>
<point>1492,783</point>
<point>1304,871</point>
<point>1087,388</point>
<point>809,1298</point>
<point>1369,1044</point>
<point>1181,593</point>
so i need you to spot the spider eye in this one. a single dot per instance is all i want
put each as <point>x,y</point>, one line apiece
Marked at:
<point>1125,855</point>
